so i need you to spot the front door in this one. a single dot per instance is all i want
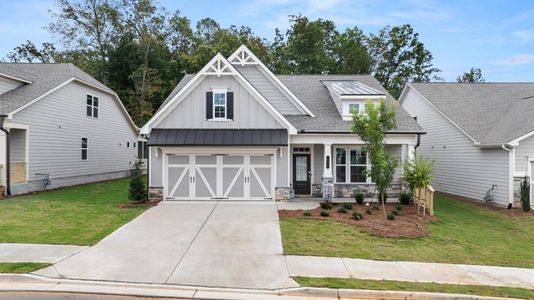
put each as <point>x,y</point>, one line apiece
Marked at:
<point>302,174</point>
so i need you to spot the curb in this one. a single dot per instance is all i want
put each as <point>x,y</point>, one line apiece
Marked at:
<point>34,283</point>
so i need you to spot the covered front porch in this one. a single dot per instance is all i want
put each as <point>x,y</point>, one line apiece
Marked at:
<point>323,165</point>
<point>18,155</point>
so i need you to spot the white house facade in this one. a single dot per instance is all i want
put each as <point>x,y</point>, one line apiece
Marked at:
<point>236,131</point>
<point>60,127</point>
<point>480,135</point>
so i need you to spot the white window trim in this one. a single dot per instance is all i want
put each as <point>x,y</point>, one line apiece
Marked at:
<point>86,149</point>
<point>347,165</point>
<point>92,106</point>
<point>220,91</point>
<point>347,115</point>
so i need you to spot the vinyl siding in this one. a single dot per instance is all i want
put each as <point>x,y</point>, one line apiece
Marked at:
<point>461,168</point>
<point>17,147</point>
<point>191,112</point>
<point>59,121</point>
<point>268,89</point>
<point>7,84</point>
<point>522,152</point>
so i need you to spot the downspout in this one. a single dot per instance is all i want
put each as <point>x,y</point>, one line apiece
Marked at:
<point>511,170</point>
<point>8,156</point>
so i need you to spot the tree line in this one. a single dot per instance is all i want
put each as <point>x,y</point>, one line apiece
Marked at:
<point>141,50</point>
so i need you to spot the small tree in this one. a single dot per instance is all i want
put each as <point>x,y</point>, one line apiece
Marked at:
<point>418,173</point>
<point>525,194</point>
<point>372,127</point>
<point>137,190</point>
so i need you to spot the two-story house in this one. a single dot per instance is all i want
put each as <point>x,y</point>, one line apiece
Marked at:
<point>58,122</point>
<point>236,131</point>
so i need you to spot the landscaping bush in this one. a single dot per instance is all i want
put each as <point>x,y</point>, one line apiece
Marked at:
<point>347,206</point>
<point>525,194</point>
<point>398,207</point>
<point>137,190</point>
<point>306,214</point>
<point>405,198</point>
<point>359,198</point>
<point>395,212</point>
<point>325,213</point>
<point>357,216</point>
<point>342,210</point>
<point>326,205</point>
<point>391,216</point>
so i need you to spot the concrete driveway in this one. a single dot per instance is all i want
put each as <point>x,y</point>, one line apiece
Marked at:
<point>222,244</point>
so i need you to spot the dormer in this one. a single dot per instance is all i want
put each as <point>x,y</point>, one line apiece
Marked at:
<point>349,95</point>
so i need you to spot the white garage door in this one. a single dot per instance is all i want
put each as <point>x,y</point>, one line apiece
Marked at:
<point>213,177</point>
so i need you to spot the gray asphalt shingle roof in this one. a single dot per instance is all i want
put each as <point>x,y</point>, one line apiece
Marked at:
<point>491,113</point>
<point>312,92</point>
<point>43,78</point>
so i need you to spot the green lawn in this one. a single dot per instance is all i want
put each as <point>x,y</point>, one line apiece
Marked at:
<point>24,267</point>
<point>80,215</point>
<point>487,291</point>
<point>465,233</point>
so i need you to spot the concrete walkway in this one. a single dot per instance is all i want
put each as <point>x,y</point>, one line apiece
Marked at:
<point>41,253</point>
<point>220,244</point>
<point>314,266</point>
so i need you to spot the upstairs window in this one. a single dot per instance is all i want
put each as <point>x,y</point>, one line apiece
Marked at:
<point>84,148</point>
<point>354,108</point>
<point>92,106</point>
<point>219,105</point>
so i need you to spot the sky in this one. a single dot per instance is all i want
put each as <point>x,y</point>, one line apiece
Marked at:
<point>494,35</point>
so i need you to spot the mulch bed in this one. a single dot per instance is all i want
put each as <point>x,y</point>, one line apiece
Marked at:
<point>406,224</point>
<point>132,204</point>
<point>515,212</point>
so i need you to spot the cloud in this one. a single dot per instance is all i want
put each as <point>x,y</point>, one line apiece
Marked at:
<point>520,59</point>
<point>524,36</point>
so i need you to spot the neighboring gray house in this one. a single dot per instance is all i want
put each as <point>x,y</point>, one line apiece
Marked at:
<point>480,134</point>
<point>236,131</point>
<point>61,122</point>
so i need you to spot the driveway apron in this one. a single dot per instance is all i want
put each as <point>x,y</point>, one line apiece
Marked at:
<point>221,244</point>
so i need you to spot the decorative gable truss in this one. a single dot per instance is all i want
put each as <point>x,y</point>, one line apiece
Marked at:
<point>217,66</point>
<point>243,56</point>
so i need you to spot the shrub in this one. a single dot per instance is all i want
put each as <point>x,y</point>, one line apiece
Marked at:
<point>325,213</point>
<point>405,198</point>
<point>357,216</point>
<point>137,190</point>
<point>347,206</point>
<point>326,205</point>
<point>359,198</point>
<point>306,214</point>
<point>391,216</point>
<point>398,207</point>
<point>342,210</point>
<point>525,194</point>
<point>395,212</point>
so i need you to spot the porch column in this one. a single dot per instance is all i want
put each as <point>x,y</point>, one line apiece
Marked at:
<point>327,161</point>
<point>411,153</point>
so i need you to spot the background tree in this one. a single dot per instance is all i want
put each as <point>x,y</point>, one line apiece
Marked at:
<point>472,76</point>
<point>28,52</point>
<point>351,53</point>
<point>372,127</point>
<point>399,57</point>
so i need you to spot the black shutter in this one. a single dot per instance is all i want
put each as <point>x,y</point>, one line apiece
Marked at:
<point>209,105</point>
<point>230,105</point>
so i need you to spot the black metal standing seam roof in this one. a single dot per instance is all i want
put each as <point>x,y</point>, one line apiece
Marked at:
<point>218,137</point>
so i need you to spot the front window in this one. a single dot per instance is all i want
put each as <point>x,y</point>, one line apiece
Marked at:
<point>351,169</point>
<point>84,148</point>
<point>219,105</point>
<point>92,106</point>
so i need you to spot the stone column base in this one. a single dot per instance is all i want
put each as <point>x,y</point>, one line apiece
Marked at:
<point>155,193</point>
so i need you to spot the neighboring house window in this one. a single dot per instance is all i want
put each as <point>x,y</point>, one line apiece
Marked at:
<point>128,144</point>
<point>84,148</point>
<point>351,165</point>
<point>92,106</point>
<point>219,105</point>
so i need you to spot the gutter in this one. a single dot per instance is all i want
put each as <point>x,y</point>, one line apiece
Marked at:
<point>8,156</point>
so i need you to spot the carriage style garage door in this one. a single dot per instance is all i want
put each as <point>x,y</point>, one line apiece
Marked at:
<point>219,176</point>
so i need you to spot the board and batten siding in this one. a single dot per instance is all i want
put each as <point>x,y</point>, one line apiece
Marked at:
<point>268,89</point>
<point>58,122</point>
<point>318,163</point>
<point>461,168</point>
<point>8,84</point>
<point>191,111</point>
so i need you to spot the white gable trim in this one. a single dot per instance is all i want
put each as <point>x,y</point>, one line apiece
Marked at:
<point>15,78</point>
<point>218,66</point>
<point>515,142</point>
<point>403,95</point>
<point>113,94</point>
<point>243,56</point>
